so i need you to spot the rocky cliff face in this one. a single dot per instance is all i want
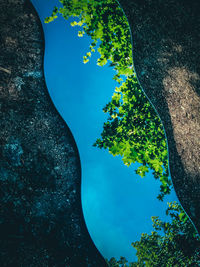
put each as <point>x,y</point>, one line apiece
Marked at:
<point>166,53</point>
<point>41,221</point>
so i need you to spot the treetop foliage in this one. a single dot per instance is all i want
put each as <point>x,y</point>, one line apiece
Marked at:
<point>133,129</point>
<point>106,24</point>
<point>173,243</point>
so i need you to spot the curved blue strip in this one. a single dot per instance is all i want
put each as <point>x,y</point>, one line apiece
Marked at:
<point>117,204</point>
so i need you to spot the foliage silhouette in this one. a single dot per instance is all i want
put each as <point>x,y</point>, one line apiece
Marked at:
<point>133,129</point>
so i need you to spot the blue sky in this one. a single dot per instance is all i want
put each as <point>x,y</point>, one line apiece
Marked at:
<point>117,203</point>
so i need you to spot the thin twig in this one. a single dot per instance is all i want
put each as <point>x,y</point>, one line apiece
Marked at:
<point>5,70</point>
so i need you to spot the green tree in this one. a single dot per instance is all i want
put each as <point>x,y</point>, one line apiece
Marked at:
<point>122,262</point>
<point>173,243</point>
<point>133,129</point>
<point>177,245</point>
<point>106,24</point>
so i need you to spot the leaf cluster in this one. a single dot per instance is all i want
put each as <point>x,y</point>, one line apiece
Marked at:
<point>122,262</point>
<point>133,129</point>
<point>106,24</point>
<point>172,243</point>
<point>134,132</point>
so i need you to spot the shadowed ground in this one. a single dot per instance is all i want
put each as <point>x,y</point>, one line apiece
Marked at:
<point>166,53</point>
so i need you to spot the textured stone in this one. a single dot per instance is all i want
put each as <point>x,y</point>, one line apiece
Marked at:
<point>166,53</point>
<point>41,220</point>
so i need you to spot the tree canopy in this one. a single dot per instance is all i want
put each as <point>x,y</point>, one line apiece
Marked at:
<point>133,129</point>
<point>172,243</point>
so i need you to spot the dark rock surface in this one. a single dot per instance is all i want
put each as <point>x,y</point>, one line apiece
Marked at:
<point>166,54</point>
<point>41,221</point>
